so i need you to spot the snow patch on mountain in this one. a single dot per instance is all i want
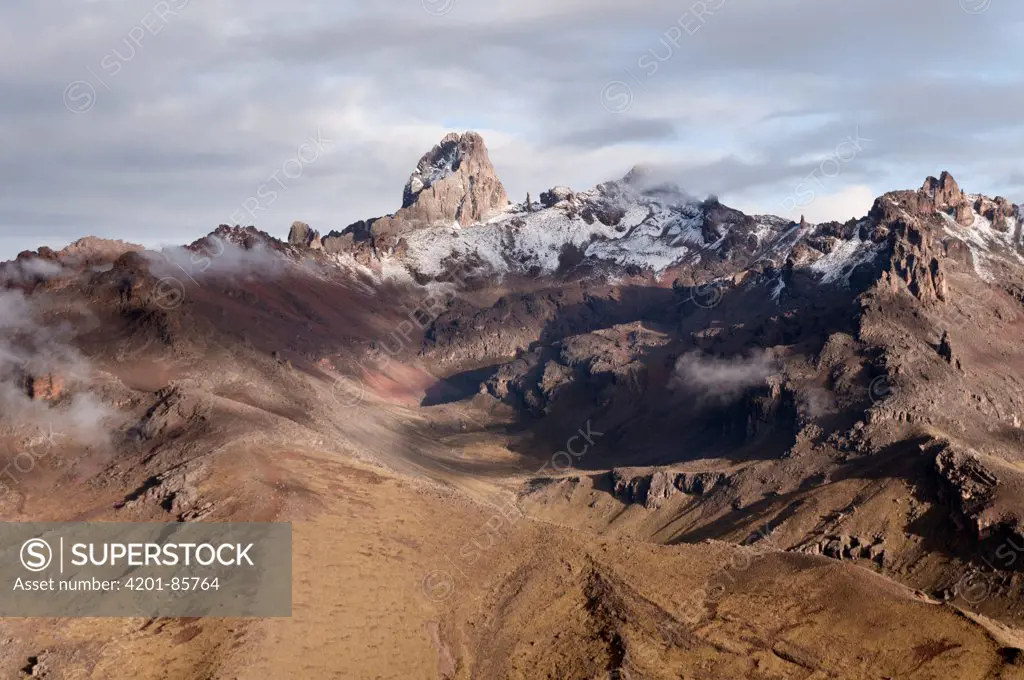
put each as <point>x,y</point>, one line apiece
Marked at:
<point>838,265</point>
<point>442,166</point>
<point>780,286</point>
<point>524,241</point>
<point>612,223</point>
<point>987,244</point>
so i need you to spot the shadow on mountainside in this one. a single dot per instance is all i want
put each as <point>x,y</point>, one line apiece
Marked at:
<point>733,381</point>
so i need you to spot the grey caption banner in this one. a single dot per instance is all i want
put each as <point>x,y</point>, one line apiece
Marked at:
<point>119,569</point>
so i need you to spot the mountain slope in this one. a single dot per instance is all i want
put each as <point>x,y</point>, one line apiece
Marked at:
<point>621,432</point>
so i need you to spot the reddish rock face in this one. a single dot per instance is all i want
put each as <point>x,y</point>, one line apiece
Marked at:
<point>907,221</point>
<point>999,211</point>
<point>964,215</point>
<point>46,387</point>
<point>945,195</point>
<point>945,192</point>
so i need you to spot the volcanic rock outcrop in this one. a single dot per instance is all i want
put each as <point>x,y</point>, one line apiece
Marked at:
<point>945,194</point>
<point>453,182</point>
<point>555,195</point>
<point>46,387</point>
<point>302,235</point>
<point>652,489</point>
<point>999,210</point>
<point>914,258</point>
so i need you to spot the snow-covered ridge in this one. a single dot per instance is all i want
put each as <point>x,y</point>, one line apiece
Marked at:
<point>989,246</point>
<point>839,264</point>
<point>612,224</point>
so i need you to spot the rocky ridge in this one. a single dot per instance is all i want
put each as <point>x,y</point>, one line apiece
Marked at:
<point>455,213</point>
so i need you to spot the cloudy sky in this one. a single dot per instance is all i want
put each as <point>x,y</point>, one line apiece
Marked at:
<point>155,121</point>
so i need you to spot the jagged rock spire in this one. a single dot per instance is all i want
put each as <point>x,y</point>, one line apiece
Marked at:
<point>303,236</point>
<point>454,181</point>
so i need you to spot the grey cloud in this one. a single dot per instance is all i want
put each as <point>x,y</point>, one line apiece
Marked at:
<point>628,130</point>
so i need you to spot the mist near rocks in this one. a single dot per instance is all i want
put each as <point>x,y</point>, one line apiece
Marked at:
<point>721,380</point>
<point>29,271</point>
<point>665,180</point>
<point>30,346</point>
<point>221,258</point>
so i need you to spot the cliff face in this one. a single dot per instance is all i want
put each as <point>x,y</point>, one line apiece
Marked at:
<point>454,181</point>
<point>914,244</point>
<point>302,235</point>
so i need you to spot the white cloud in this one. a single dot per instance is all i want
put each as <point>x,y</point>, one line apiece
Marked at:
<point>847,203</point>
<point>841,205</point>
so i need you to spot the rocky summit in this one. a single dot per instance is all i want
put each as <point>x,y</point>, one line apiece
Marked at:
<point>618,432</point>
<point>453,183</point>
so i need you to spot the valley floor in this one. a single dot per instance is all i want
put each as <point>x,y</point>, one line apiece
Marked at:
<point>398,577</point>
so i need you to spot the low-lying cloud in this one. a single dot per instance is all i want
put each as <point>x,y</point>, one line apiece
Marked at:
<point>221,258</point>
<point>721,380</point>
<point>31,347</point>
<point>28,271</point>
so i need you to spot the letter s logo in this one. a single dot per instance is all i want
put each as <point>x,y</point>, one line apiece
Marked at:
<point>36,554</point>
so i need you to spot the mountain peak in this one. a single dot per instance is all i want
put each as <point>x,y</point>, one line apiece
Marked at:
<point>454,181</point>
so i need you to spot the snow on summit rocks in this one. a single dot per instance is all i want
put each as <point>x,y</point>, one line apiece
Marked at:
<point>454,207</point>
<point>613,224</point>
<point>455,212</point>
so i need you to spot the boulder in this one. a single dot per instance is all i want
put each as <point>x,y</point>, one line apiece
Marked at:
<point>556,195</point>
<point>964,215</point>
<point>946,351</point>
